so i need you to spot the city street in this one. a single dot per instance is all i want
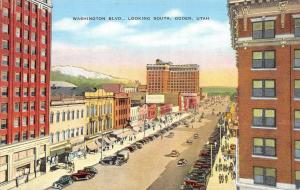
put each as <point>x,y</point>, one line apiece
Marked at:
<point>148,168</point>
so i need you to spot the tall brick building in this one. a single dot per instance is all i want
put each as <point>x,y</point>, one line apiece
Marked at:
<point>266,37</point>
<point>164,77</point>
<point>24,85</point>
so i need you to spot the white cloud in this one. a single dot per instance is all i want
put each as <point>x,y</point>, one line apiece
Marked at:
<point>111,28</point>
<point>210,34</point>
<point>134,22</point>
<point>173,13</point>
<point>68,24</point>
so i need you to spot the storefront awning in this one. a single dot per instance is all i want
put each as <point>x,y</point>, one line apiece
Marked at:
<point>98,142</point>
<point>126,133</point>
<point>77,140</point>
<point>58,149</point>
<point>107,140</point>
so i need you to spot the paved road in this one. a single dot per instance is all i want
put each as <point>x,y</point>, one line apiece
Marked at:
<point>148,168</point>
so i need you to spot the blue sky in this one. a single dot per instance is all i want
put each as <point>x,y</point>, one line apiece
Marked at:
<point>133,44</point>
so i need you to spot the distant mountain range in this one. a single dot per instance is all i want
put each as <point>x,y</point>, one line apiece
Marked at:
<point>84,78</point>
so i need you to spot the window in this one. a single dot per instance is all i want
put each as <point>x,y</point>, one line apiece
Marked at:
<point>263,59</point>
<point>297,149</point>
<point>24,121</point>
<point>297,27</point>
<point>33,64</point>
<point>5,44</point>
<point>297,59</point>
<point>25,63</point>
<point>57,117</point>
<point>33,22</point>
<point>43,78</point>
<point>33,8</point>
<point>264,118</point>
<point>16,138</point>
<point>42,132</point>
<point>51,117</point>
<point>263,88</point>
<point>43,91</point>
<point>33,51</point>
<point>17,107</point>
<point>297,179</point>
<point>32,106</point>
<point>264,147</point>
<point>265,29</point>
<point>25,107</point>
<point>43,52</point>
<point>44,12</point>
<point>26,5</point>
<point>18,77</point>
<point>18,17</point>
<point>4,75</point>
<point>32,134</point>
<point>32,120</point>
<point>26,49</point>
<point>25,77</point>
<point>26,34</point>
<point>17,122</point>
<point>3,140</point>
<point>18,47</point>
<point>5,60</point>
<point>43,65</point>
<point>44,40</point>
<point>26,20</point>
<point>43,106</point>
<point>73,115</point>
<point>265,176</point>
<point>32,78</point>
<point>17,91</point>
<point>63,116</point>
<point>5,12</point>
<point>297,89</point>
<point>18,32</point>
<point>18,62</point>
<point>33,36</point>
<point>24,136</point>
<point>82,113</point>
<point>77,114</point>
<point>19,3</point>
<point>5,28</point>
<point>42,119</point>
<point>3,124</point>
<point>44,26</point>
<point>57,136</point>
<point>4,91</point>
<point>68,115</point>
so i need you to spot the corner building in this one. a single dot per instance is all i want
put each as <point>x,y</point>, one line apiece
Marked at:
<point>266,37</point>
<point>25,38</point>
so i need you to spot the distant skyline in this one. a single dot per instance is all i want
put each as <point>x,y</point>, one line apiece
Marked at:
<point>123,48</point>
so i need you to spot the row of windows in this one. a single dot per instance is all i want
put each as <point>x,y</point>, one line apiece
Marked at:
<point>266,59</point>
<point>66,116</point>
<point>266,29</point>
<point>33,49</point>
<point>65,135</point>
<point>18,138</point>
<point>24,121</point>
<point>17,92</point>
<point>5,11</point>
<point>5,62</point>
<point>267,88</point>
<point>5,30</point>
<point>4,77</point>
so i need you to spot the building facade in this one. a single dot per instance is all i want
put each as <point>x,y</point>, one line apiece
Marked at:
<point>266,37</point>
<point>67,127</point>
<point>164,77</point>
<point>122,106</point>
<point>24,86</point>
<point>100,112</point>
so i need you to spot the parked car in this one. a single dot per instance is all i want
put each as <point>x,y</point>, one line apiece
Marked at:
<point>174,153</point>
<point>196,136</point>
<point>62,182</point>
<point>182,162</point>
<point>91,170</point>
<point>81,175</point>
<point>131,148</point>
<point>139,145</point>
<point>189,141</point>
<point>110,160</point>
<point>186,187</point>
<point>122,157</point>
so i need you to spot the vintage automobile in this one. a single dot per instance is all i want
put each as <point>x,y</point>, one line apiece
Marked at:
<point>186,187</point>
<point>81,175</point>
<point>110,160</point>
<point>62,182</point>
<point>196,136</point>
<point>174,153</point>
<point>182,162</point>
<point>189,141</point>
<point>92,170</point>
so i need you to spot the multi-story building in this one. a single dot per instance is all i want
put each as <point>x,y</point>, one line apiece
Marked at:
<point>122,106</point>
<point>67,123</point>
<point>24,85</point>
<point>138,114</point>
<point>164,77</point>
<point>100,112</point>
<point>266,37</point>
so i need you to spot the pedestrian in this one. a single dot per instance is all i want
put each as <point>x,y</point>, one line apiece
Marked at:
<point>226,178</point>
<point>112,146</point>
<point>216,167</point>
<point>220,178</point>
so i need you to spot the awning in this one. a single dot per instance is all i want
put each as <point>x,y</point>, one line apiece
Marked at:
<point>107,140</point>
<point>92,146</point>
<point>59,148</point>
<point>125,134</point>
<point>76,141</point>
<point>98,142</point>
<point>113,139</point>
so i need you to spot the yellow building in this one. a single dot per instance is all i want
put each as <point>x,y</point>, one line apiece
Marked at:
<point>100,112</point>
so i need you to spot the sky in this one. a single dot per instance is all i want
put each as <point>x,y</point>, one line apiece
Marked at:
<point>123,48</point>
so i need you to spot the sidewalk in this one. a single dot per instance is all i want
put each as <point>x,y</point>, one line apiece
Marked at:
<point>213,183</point>
<point>45,181</point>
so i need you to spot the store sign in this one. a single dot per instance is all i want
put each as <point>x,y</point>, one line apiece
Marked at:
<point>155,99</point>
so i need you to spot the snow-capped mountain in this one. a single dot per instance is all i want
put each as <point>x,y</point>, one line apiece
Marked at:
<point>81,72</point>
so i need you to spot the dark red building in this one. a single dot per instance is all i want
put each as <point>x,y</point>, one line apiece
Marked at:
<point>122,110</point>
<point>24,82</point>
<point>152,111</point>
<point>165,109</point>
